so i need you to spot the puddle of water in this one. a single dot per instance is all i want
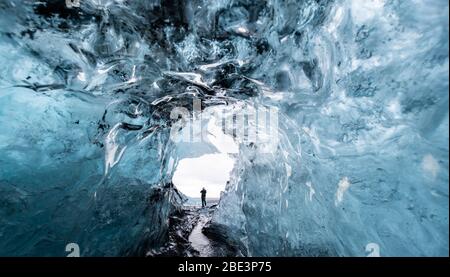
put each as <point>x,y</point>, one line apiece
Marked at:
<point>199,241</point>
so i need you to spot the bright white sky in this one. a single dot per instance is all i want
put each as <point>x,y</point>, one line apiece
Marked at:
<point>211,170</point>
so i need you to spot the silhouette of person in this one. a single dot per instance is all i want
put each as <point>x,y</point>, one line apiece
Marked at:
<point>203,192</point>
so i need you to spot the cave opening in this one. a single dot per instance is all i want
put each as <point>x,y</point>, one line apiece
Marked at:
<point>206,162</point>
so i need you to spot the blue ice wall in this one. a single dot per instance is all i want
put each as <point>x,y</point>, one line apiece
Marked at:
<point>367,93</point>
<point>362,93</point>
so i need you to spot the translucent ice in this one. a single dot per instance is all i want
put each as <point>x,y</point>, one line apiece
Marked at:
<point>361,90</point>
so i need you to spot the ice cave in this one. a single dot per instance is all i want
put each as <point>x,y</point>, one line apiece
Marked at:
<point>318,127</point>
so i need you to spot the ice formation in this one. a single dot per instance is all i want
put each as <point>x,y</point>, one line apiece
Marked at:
<point>361,90</point>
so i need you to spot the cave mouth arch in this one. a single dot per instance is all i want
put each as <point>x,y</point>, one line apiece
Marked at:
<point>209,171</point>
<point>207,163</point>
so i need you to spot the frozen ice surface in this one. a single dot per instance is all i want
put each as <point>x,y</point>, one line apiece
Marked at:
<point>361,89</point>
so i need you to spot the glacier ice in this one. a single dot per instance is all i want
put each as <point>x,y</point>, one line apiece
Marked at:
<point>361,89</point>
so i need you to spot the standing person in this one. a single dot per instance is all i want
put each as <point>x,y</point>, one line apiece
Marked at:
<point>203,192</point>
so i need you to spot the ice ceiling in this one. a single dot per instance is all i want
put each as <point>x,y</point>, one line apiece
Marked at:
<point>361,89</point>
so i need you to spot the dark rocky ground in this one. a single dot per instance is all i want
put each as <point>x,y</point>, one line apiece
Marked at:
<point>192,235</point>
